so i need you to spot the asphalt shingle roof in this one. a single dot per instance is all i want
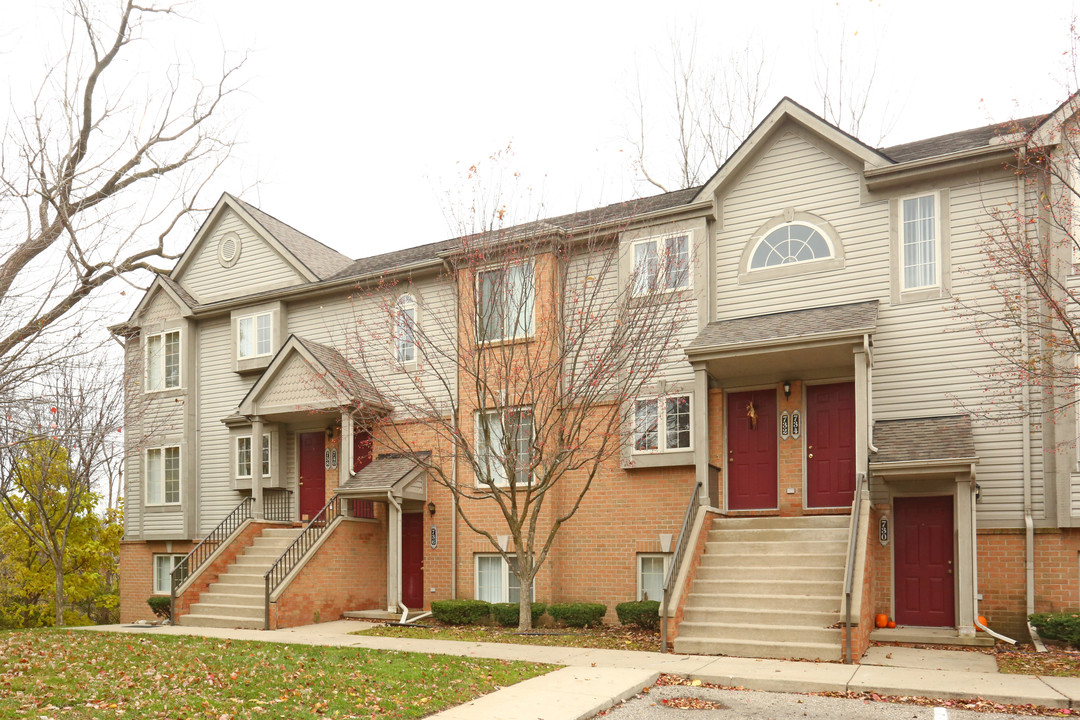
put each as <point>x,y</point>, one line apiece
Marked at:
<point>915,439</point>
<point>343,373</point>
<point>321,259</point>
<point>383,473</point>
<point>958,141</point>
<point>792,324</point>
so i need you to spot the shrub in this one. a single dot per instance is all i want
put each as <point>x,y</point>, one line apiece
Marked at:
<point>642,613</point>
<point>161,605</point>
<point>506,614</point>
<point>578,614</point>
<point>460,612</point>
<point>1058,626</point>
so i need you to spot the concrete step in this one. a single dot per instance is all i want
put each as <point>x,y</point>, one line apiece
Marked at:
<point>242,574</point>
<point>768,573</point>
<point>229,598</point>
<point>253,563</point>
<point>787,535</point>
<point>221,621</point>
<point>273,532</point>
<point>773,521</point>
<point>816,547</point>
<point>773,588</point>
<point>758,648</point>
<point>812,603</point>
<point>231,587</point>
<point>799,560</point>
<point>255,612</point>
<point>769,633</point>
<point>801,618</point>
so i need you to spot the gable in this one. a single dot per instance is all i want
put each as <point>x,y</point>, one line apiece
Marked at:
<point>295,384</point>
<point>210,274</point>
<point>161,307</point>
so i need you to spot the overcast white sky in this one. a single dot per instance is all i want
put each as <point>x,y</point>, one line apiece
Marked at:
<point>358,116</point>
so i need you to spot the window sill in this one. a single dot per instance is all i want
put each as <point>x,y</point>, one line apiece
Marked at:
<point>486,344</point>
<point>162,508</point>
<point>253,365</point>
<point>166,393</point>
<point>923,295</point>
<point>660,459</point>
<point>809,267</point>
<point>659,296</point>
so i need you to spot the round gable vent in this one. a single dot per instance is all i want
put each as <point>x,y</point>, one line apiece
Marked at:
<point>229,249</point>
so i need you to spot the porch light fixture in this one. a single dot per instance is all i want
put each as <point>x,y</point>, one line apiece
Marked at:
<point>329,433</point>
<point>978,491</point>
<point>431,508</point>
<point>787,389</point>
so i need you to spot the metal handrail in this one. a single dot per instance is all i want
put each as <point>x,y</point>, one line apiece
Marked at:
<point>277,504</point>
<point>206,547</point>
<point>298,549</point>
<point>676,562</point>
<point>849,576</point>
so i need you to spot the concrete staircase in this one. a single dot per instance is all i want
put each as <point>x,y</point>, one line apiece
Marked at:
<point>768,587</point>
<point>237,599</point>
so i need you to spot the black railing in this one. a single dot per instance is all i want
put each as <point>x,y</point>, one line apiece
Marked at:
<point>206,547</point>
<point>299,548</point>
<point>277,504</point>
<point>676,562</point>
<point>849,576</point>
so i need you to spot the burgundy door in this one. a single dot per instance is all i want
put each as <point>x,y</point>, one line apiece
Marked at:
<point>751,422</point>
<point>312,474</point>
<point>830,445</point>
<point>412,560</point>
<point>924,561</point>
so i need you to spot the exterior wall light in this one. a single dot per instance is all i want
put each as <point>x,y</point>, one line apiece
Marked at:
<point>431,508</point>
<point>787,389</point>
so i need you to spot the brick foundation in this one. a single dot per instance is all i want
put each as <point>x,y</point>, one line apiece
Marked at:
<point>137,575</point>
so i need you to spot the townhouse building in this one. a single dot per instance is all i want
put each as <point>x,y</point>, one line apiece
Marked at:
<point>818,451</point>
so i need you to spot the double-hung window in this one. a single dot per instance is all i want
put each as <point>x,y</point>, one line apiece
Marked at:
<point>163,567</point>
<point>405,330</point>
<point>652,567</point>
<point>504,446</point>
<point>496,582</point>
<point>919,247</point>
<point>505,299</point>
<point>244,450</point>
<point>254,335</point>
<point>661,264</point>
<point>163,361</point>
<point>662,424</point>
<point>163,476</point>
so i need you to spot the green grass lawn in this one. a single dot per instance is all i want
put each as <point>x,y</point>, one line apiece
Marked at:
<point>605,637</point>
<point>85,674</point>
<point>1025,661</point>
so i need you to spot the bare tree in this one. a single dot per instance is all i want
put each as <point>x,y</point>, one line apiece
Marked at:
<point>53,449</point>
<point>94,176</point>
<point>531,367</point>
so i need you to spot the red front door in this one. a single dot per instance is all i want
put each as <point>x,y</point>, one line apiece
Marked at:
<point>924,561</point>
<point>412,560</point>
<point>830,445</point>
<point>751,463</point>
<point>312,474</point>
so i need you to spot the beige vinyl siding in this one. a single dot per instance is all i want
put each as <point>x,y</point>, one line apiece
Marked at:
<point>160,308</point>
<point>923,353</point>
<point>259,267</point>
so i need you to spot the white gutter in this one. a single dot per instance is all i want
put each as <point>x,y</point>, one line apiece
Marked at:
<point>397,543</point>
<point>869,397</point>
<point>1029,524</point>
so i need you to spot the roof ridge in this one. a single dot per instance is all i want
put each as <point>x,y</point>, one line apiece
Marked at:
<point>248,206</point>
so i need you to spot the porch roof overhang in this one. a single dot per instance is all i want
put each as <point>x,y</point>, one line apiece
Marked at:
<point>924,448</point>
<point>790,344</point>
<point>306,378</point>
<point>401,476</point>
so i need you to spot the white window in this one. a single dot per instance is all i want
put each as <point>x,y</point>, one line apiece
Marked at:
<point>243,456</point>
<point>919,242</point>
<point>790,243</point>
<point>504,444</point>
<point>495,582</point>
<point>163,476</point>
<point>405,329</point>
<point>254,335</point>
<point>652,569</point>
<point>661,264</point>
<point>662,424</point>
<point>163,361</point>
<point>163,567</point>
<point>505,303</point>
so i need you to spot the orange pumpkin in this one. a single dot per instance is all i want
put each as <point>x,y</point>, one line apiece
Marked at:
<point>892,624</point>
<point>982,621</point>
<point>882,620</point>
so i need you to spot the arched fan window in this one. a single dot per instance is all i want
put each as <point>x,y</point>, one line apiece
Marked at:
<point>794,242</point>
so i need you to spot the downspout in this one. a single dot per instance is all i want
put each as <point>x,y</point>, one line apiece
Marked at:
<point>868,354</point>
<point>1029,524</point>
<point>453,523</point>
<point>397,543</point>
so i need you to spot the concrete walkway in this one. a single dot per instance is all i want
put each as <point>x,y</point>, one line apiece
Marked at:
<point>594,680</point>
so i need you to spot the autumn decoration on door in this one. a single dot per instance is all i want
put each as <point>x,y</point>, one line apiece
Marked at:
<point>751,412</point>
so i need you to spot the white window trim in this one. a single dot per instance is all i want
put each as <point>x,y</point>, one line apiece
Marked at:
<point>528,333</point>
<point>179,361</point>
<point>505,589</point>
<point>176,558</point>
<point>406,301</point>
<point>937,242</point>
<point>255,335</point>
<point>661,424</point>
<point>479,441</point>
<point>146,476</point>
<point>662,262</point>
<point>1073,195</point>
<point>802,263</point>
<point>266,448</point>
<point>667,567</point>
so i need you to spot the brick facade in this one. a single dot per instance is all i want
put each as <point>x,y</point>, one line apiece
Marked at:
<point>137,575</point>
